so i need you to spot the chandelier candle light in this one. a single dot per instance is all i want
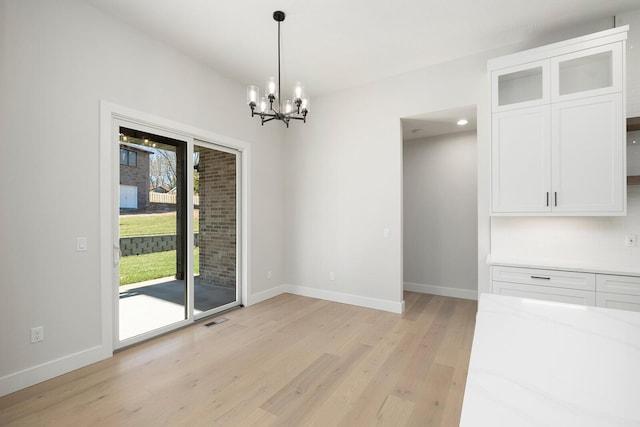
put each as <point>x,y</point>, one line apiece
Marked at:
<point>266,109</point>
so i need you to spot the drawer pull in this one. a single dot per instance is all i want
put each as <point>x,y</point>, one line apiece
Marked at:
<point>540,277</point>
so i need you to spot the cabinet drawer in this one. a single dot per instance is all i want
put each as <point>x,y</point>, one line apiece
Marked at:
<point>550,278</point>
<point>618,301</point>
<point>629,285</point>
<point>547,293</point>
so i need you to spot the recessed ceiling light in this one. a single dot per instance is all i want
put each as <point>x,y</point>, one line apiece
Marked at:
<point>462,122</point>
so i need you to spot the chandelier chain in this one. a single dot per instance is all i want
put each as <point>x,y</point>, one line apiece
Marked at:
<point>279,85</point>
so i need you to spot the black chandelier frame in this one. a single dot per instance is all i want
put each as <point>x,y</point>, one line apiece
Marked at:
<point>277,113</point>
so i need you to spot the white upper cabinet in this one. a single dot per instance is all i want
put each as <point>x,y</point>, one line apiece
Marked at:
<point>588,173</point>
<point>558,128</point>
<point>520,148</point>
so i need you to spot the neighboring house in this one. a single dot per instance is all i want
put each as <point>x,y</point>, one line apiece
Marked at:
<point>134,176</point>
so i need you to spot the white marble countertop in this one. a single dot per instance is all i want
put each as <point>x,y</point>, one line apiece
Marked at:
<point>539,363</point>
<point>565,265</point>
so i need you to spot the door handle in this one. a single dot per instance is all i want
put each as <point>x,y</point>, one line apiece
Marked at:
<point>547,199</point>
<point>116,252</point>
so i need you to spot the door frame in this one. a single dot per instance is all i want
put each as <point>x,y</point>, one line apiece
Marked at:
<point>110,114</point>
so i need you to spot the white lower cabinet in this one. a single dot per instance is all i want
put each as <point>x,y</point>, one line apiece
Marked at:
<point>547,293</point>
<point>621,292</point>
<point>546,278</point>
<point>618,301</point>
<point>585,288</point>
<point>550,285</point>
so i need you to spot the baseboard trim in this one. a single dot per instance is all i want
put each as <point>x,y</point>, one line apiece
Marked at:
<point>441,290</point>
<point>37,374</point>
<point>378,304</point>
<point>265,295</point>
<point>305,291</point>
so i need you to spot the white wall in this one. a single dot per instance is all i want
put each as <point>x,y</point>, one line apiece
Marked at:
<point>58,60</point>
<point>344,181</point>
<point>440,215</point>
<point>570,241</point>
<point>344,178</point>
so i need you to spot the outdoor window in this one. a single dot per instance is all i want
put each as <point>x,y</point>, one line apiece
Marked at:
<point>127,157</point>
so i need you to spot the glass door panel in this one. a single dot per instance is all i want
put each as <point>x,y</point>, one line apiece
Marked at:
<point>152,233</point>
<point>520,86</point>
<point>215,219</point>
<point>589,72</point>
<point>585,73</point>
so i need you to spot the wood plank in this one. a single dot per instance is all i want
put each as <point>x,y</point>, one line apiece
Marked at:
<point>395,411</point>
<point>289,360</point>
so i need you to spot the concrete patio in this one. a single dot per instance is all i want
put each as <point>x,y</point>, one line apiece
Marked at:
<point>146,306</point>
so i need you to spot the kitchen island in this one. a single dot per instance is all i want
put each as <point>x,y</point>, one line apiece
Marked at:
<point>540,363</point>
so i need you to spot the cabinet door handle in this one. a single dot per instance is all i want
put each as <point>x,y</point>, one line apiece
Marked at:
<point>547,199</point>
<point>555,198</point>
<point>540,277</point>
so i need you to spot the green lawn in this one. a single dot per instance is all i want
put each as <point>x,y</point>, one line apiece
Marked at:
<point>139,268</point>
<point>147,225</point>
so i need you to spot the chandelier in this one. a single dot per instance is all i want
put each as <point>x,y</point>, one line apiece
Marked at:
<point>270,106</point>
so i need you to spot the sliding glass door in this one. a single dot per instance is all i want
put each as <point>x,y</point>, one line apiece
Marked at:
<point>176,238</point>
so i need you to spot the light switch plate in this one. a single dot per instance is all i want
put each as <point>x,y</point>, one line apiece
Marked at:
<point>81,244</point>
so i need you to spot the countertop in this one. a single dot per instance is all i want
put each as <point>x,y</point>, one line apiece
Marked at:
<point>558,264</point>
<point>539,363</point>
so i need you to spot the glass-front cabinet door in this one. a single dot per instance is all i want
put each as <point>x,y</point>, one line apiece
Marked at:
<point>589,72</point>
<point>521,86</point>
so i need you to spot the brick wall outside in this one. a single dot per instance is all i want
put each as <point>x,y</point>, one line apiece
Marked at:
<point>137,175</point>
<point>217,218</point>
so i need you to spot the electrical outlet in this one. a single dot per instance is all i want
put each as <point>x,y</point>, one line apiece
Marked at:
<point>37,334</point>
<point>630,240</point>
<point>332,276</point>
<point>269,275</point>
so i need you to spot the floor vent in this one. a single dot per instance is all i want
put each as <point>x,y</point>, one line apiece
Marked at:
<point>215,322</point>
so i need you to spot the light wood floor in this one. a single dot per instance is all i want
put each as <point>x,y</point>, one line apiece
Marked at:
<point>288,361</point>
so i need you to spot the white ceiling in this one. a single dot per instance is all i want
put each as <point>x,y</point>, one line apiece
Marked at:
<point>329,45</point>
